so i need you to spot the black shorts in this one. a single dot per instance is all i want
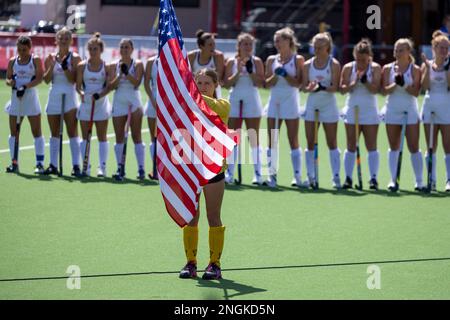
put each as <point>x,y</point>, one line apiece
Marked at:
<point>218,178</point>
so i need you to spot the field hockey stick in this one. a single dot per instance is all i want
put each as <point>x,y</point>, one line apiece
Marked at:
<point>402,141</point>
<point>88,141</point>
<point>239,179</point>
<point>124,151</point>
<point>61,126</point>
<point>430,154</point>
<point>316,150</point>
<point>359,186</point>
<point>15,159</point>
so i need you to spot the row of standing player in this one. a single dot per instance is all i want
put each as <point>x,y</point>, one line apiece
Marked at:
<point>321,78</point>
<point>92,79</point>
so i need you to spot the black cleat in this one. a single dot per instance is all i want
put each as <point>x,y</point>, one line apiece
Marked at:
<point>118,175</point>
<point>76,172</point>
<point>141,175</point>
<point>348,184</point>
<point>373,184</point>
<point>51,170</point>
<point>189,271</point>
<point>393,187</point>
<point>39,169</point>
<point>13,168</point>
<point>212,272</point>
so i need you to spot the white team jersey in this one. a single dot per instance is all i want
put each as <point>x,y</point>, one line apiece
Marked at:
<point>244,82</point>
<point>211,65</point>
<point>94,82</point>
<point>360,89</point>
<point>324,76</point>
<point>290,67</point>
<point>24,72</point>
<point>408,76</point>
<point>59,79</point>
<point>124,83</point>
<point>438,82</point>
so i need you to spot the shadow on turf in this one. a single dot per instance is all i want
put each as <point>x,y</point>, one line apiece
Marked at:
<point>226,285</point>
<point>341,192</point>
<point>71,179</point>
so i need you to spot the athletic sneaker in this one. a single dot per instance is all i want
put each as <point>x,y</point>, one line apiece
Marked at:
<point>189,271</point>
<point>348,184</point>
<point>152,177</point>
<point>419,187</point>
<point>297,182</point>
<point>312,183</point>
<point>13,168</point>
<point>76,172</point>
<point>51,170</point>
<point>257,180</point>
<point>39,169</point>
<point>373,184</point>
<point>337,182</point>
<point>212,272</point>
<point>101,172</point>
<point>272,181</point>
<point>141,174</point>
<point>447,187</point>
<point>392,186</point>
<point>118,175</point>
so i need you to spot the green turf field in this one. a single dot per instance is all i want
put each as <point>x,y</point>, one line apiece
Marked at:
<point>280,244</point>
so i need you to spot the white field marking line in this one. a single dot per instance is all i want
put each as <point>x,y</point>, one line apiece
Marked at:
<point>109,136</point>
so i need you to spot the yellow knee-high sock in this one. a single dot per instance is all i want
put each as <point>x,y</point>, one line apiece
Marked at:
<point>190,239</point>
<point>216,240</point>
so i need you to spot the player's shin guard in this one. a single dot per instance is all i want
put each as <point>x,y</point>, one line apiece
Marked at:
<point>75,150</point>
<point>335,159</point>
<point>349,163</point>
<point>374,163</point>
<point>139,150</point>
<point>417,163</point>
<point>256,156</point>
<point>309,155</point>
<point>54,151</point>
<point>393,159</point>
<point>216,240</point>
<point>103,149</point>
<point>39,146</point>
<point>11,143</point>
<point>296,158</point>
<point>190,240</point>
<point>118,150</point>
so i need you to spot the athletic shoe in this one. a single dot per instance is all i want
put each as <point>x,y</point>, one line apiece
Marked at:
<point>312,183</point>
<point>189,271</point>
<point>272,181</point>
<point>13,168</point>
<point>447,187</point>
<point>51,170</point>
<point>141,174</point>
<point>257,180</point>
<point>373,184</point>
<point>337,182</point>
<point>297,182</point>
<point>39,169</point>
<point>419,187</point>
<point>212,272</point>
<point>151,177</point>
<point>433,187</point>
<point>392,186</point>
<point>118,175</point>
<point>101,172</point>
<point>76,172</point>
<point>348,184</point>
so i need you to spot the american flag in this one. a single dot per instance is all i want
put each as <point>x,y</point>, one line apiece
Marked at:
<point>192,139</point>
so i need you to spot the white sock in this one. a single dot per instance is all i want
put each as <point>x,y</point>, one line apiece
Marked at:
<point>309,155</point>
<point>447,165</point>
<point>417,163</point>
<point>433,168</point>
<point>39,147</point>
<point>54,151</point>
<point>118,150</point>
<point>103,149</point>
<point>139,150</point>
<point>256,155</point>
<point>273,167</point>
<point>11,142</point>
<point>393,159</point>
<point>296,158</point>
<point>374,163</point>
<point>335,160</point>
<point>231,161</point>
<point>349,163</point>
<point>75,150</point>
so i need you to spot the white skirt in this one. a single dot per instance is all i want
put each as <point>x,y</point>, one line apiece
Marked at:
<point>395,108</point>
<point>55,101</point>
<point>123,99</point>
<point>102,109</point>
<point>28,105</point>
<point>368,110</point>
<point>439,104</point>
<point>284,104</point>
<point>251,103</point>
<point>326,103</point>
